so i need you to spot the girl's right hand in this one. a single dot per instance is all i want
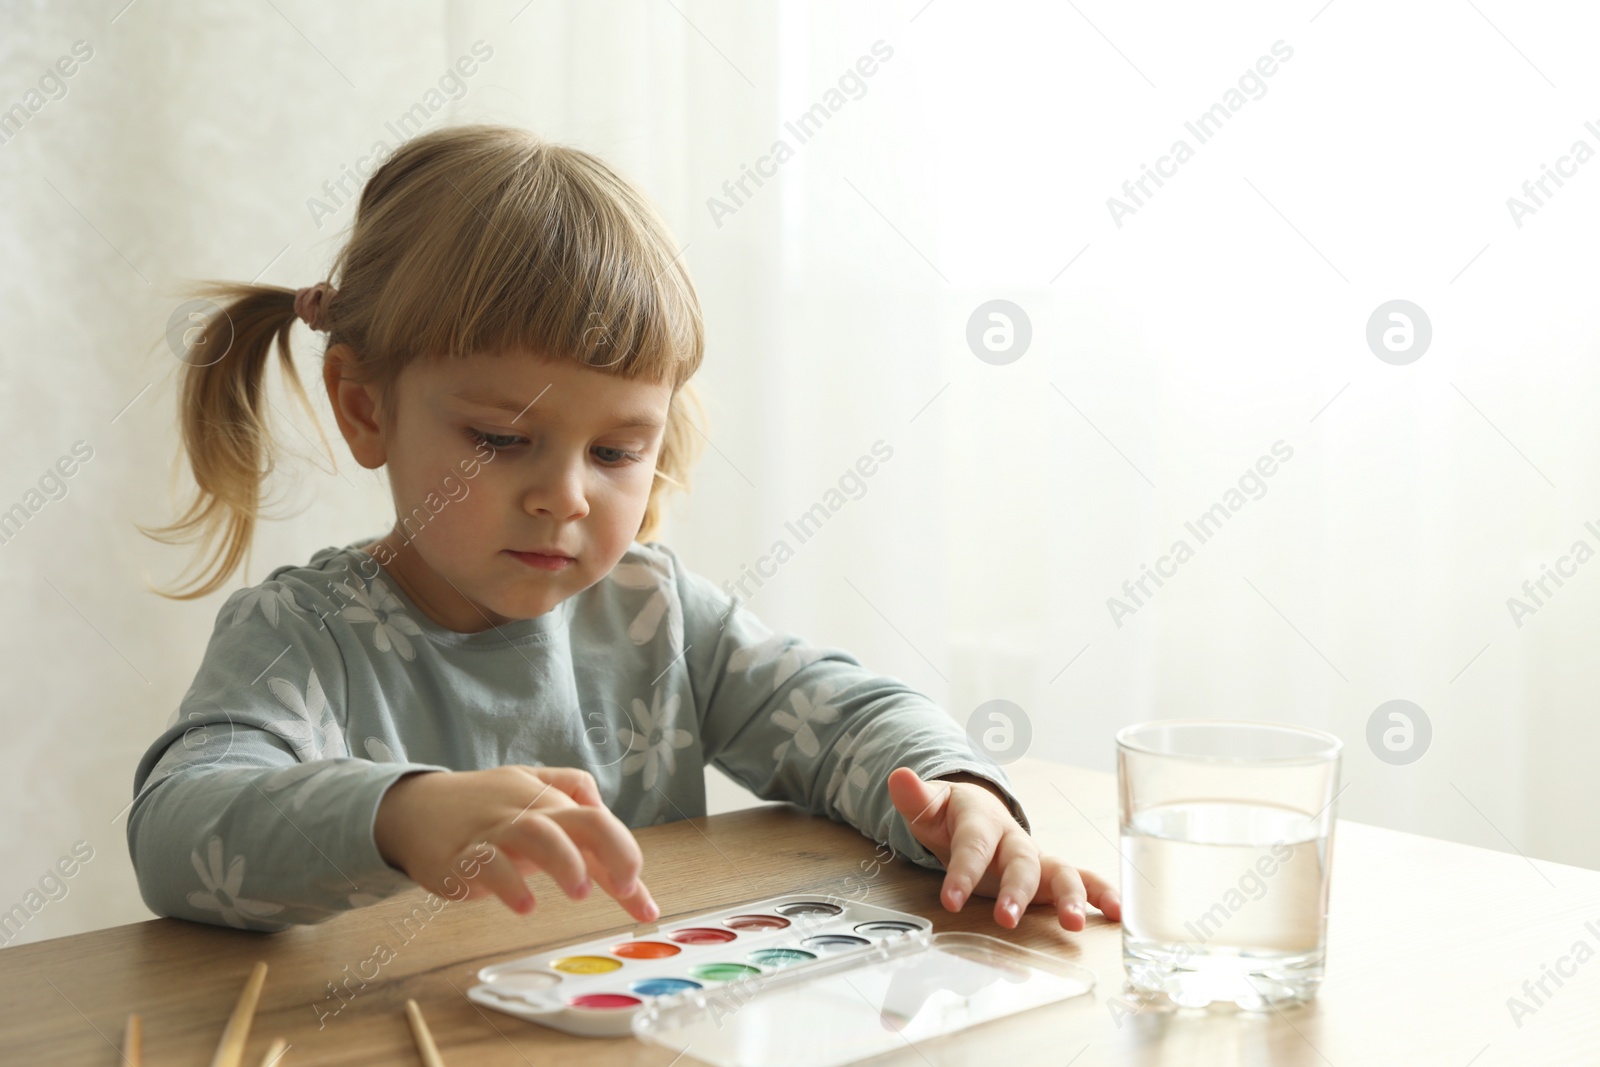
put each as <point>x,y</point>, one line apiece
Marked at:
<point>534,819</point>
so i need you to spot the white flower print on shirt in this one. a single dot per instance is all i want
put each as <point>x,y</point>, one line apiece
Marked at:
<point>269,597</point>
<point>375,603</point>
<point>222,890</point>
<point>789,659</point>
<point>850,772</point>
<point>809,708</point>
<point>380,752</point>
<point>653,743</point>
<point>659,605</point>
<point>313,776</point>
<point>312,733</point>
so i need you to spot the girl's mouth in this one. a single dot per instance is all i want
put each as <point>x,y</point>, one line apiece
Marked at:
<point>541,560</point>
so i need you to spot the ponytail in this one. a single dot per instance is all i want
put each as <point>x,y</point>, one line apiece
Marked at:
<point>225,432</point>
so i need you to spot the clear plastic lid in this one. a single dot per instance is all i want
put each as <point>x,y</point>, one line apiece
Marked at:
<point>907,993</point>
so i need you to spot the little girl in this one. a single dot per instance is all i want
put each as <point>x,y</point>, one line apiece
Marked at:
<point>515,673</point>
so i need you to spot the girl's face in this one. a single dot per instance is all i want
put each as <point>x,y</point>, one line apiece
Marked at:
<point>491,456</point>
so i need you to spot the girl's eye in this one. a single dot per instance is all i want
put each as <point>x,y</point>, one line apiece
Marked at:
<point>617,456</point>
<point>611,457</point>
<point>496,441</point>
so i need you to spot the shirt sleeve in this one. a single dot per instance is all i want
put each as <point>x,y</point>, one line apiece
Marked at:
<point>249,810</point>
<point>809,724</point>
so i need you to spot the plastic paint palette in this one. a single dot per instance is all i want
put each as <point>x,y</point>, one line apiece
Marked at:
<point>595,988</point>
<point>756,983</point>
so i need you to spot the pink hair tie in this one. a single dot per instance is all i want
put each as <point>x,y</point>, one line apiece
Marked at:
<point>309,304</point>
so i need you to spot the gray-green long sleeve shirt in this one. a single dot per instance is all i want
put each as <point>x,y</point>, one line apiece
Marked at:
<point>325,683</point>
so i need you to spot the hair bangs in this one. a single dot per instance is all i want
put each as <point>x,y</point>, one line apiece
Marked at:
<point>556,259</point>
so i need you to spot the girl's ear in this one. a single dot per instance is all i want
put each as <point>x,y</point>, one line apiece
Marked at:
<point>355,406</point>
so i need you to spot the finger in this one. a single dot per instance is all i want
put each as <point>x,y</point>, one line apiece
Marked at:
<point>604,836</point>
<point>1066,889</point>
<point>525,865</point>
<point>1018,858</point>
<point>537,792</point>
<point>500,875</point>
<point>638,903</point>
<point>971,848</point>
<point>923,805</point>
<point>574,782</point>
<point>540,839</point>
<point>1103,895</point>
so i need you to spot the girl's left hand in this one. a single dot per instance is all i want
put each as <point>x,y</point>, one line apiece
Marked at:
<point>986,853</point>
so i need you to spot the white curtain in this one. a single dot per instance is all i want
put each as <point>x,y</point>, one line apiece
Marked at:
<point>940,156</point>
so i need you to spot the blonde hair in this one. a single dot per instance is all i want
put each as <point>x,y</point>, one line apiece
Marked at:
<point>469,239</point>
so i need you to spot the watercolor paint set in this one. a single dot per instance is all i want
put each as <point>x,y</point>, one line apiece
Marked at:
<point>758,983</point>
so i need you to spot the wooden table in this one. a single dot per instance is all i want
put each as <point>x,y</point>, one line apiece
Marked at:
<point>1427,941</point>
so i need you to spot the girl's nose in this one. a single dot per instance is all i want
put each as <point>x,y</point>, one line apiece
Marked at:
<point>558,490</point>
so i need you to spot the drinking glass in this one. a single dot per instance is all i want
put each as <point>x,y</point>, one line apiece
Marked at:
<point>1227,835</point>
